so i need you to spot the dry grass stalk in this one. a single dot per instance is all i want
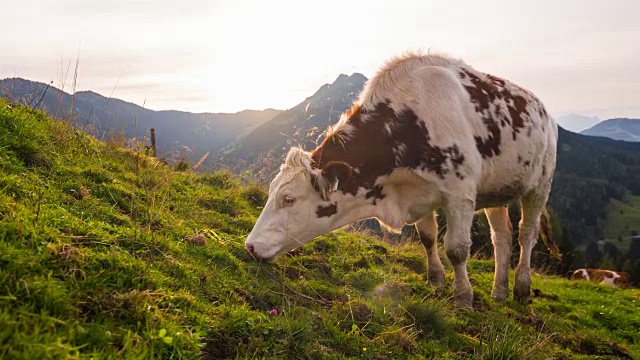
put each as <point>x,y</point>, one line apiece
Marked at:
<point>202,159</point>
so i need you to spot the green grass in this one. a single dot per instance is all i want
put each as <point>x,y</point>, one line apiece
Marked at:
<point>99,258</point>
<point>622,219</point>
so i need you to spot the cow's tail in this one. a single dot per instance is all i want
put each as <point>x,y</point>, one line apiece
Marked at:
<point>545,234</point>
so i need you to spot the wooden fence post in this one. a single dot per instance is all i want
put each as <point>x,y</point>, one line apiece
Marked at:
<point>153,142</point>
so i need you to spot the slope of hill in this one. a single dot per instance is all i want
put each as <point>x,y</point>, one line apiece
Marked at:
<point>618,129</point>
<point>623,221</point>
<point>590,172</point>
<point>263,149</point>
<point>99,116</point>
<point>577,122</point>
<point>106,253</point>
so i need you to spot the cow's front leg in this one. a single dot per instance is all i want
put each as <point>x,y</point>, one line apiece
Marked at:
<point>428,231</point>
<point>457,244</point>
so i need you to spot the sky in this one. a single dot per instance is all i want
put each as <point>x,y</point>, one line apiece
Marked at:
<point>578,56</point>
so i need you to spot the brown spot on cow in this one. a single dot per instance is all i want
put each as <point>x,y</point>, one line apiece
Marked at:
<point>490,146</point>
<point>542,111</point>
<point>354,109</point>
<point>375,193</point>
<point>517,111</point>
<point>484,94</point>
<point>623,280</point>
<point>496,80</point>
<point>371,162</point>
<point>327,210</point>
<point>456,157</point>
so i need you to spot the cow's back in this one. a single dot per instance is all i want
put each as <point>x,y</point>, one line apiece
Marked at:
<point>505,135</point>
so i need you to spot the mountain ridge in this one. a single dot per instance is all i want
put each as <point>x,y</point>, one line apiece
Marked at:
<point>261,150</point>
<point>6,82</point>
<point>577,122</point>
<point>625,129</point>
<point>101,115</point>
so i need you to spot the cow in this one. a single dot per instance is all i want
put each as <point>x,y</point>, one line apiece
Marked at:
<point>427,132</point>
<point>601,276</point>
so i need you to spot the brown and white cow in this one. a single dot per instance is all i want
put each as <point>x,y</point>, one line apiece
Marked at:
<point>600,276</point>
<point>427,132</point>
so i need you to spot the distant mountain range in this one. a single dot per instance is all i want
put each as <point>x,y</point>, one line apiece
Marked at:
<point>178,133</point>
<point>618,129</point>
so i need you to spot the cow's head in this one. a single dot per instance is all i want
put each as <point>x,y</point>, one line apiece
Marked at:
<point>303,204</point>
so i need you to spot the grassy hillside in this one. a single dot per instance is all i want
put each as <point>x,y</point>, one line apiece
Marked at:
<point>108,254</point>
<point>623,218</point>
<point>591,173</point>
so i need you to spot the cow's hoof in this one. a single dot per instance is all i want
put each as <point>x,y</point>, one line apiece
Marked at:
<point>522,286</point>
<point>499,296</point>
<point>500,290</point>
<point>522,295</point>
<point>464,300</point>
<point>436,278</point>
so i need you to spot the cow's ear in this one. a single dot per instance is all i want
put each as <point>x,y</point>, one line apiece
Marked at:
<point>337,173</point>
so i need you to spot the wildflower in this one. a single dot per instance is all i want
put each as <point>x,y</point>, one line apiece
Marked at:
<point>273,311</point>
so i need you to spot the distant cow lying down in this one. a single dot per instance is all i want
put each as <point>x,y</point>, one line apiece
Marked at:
<point>613,278</point>
<point>427,132</point>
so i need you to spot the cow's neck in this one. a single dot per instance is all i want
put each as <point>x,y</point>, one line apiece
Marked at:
<point>391,199</point>
<point>375,189</point>
<point>359,145</point>
<point>351,208</point>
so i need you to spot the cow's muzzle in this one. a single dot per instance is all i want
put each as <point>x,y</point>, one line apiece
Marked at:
<point>251,250</point>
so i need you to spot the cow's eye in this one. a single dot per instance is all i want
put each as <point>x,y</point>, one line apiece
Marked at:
<point>288,201</point>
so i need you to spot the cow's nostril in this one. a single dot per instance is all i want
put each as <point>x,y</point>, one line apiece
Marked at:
<point>250,248</point>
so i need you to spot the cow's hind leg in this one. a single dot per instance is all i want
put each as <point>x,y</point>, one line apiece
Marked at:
<point>501,235</point>
<point>457,243</point>
<point>533,204</point>
<point>428,231</point>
